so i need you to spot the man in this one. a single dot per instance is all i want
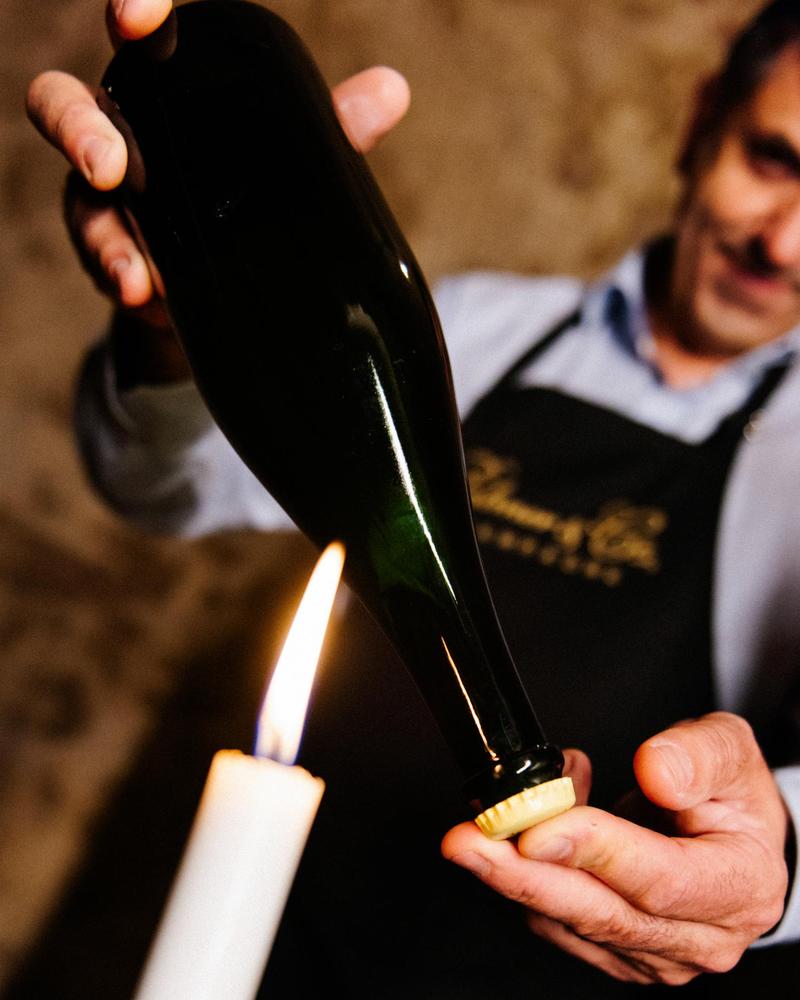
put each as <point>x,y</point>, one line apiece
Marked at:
<point>651,423</point>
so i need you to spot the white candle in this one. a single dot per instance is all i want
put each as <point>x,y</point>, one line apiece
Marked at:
<point>248,835</point>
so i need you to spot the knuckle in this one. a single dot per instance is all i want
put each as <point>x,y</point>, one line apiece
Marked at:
<point>70,121</point>
<point>766,901</point>
<point>667,895</point>
<point>598,926</point>
<point>618,928</point>
<point>773,914</point>
<point>676,976</point>
<point>518,893</point>
<point>739,725</point>
<point>673,889</point>
<point>765,918</point>
<point>730,748</point>
<point>627,973</point>
<point>720,960</point>
<point>735,732</point>
<point>767,906</point>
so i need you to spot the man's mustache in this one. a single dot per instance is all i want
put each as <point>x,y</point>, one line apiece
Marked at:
<point>752,255</point>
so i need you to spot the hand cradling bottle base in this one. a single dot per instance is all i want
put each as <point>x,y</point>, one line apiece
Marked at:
<point>314,340</point>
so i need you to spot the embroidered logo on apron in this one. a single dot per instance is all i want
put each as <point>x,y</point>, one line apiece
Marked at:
<point>620,536</point>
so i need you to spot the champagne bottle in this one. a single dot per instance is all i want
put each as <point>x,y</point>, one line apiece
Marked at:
<point>314,340</point>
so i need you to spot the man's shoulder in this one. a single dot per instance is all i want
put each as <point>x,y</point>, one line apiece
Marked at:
<point>490,318</point>
<point>498,297</point>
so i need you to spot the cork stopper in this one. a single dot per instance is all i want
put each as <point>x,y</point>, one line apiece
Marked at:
<point>526,809</point>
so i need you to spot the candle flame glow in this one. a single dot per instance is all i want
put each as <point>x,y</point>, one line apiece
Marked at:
<point>283,712</point>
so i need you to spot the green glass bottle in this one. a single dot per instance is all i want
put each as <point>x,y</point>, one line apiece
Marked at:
<point>314,340</point>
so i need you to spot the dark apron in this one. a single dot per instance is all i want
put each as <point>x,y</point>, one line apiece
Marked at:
<point>598,536</point>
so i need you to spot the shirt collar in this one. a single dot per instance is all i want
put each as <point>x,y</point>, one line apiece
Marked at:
<point>617,304</point>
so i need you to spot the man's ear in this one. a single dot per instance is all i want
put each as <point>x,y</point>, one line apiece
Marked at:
<point>701,123</point>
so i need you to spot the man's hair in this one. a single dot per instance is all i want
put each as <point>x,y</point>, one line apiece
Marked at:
<point>753,55</point>
<point>751,58</point>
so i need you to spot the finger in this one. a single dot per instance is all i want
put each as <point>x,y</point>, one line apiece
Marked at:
<point>587,951</point>
<point>370,104</point>
<point>117,258</point>
<point>569,895</point>
<point>667,876</point>
<point>730,880</point>
<point>635,967</point>
<point>715,757</point>
<point>65,112</point>
<point>639,966</point>
<point>588,907</point>
<point>128,19</point>
<point>105,246</point>
<point>578,767</point>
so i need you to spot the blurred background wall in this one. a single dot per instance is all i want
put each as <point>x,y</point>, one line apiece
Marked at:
<point>541,138</point>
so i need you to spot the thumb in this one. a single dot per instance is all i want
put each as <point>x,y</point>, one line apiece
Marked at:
<point>714,757</point>
<point>127,19</point>
<point>370,104</point>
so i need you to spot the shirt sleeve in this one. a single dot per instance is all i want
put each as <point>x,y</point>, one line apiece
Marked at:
<point>156,456</point>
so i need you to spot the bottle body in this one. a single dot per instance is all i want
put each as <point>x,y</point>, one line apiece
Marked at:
<point>315,343</point>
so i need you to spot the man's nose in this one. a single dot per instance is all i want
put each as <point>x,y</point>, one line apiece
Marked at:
<point>780,235</point>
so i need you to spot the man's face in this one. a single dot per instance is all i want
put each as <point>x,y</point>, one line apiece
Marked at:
<point>736,276</point>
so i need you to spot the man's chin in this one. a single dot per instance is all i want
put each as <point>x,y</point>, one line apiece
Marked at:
<point>728,328</point>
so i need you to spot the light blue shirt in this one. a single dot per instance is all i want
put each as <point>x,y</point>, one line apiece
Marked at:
<point>607,359</point>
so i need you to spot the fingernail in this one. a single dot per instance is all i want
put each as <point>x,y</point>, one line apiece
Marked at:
<point>473,862</point>
<point>118,5</point>
<point>554,849</point>
<point>676,762</point>
<point>93,156</point>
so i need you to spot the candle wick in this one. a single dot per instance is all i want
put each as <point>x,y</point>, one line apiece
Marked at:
<point>269,744</point>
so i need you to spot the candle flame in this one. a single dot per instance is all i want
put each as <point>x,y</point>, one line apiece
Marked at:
<point>283,712</point>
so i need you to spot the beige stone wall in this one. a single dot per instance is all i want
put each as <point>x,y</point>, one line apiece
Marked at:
<point>541,138</point>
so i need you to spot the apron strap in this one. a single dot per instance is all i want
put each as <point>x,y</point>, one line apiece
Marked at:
<point>538,348</point>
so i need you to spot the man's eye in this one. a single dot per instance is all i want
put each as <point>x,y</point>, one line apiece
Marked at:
<point>773,160</point>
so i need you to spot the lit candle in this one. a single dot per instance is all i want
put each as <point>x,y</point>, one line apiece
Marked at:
<point>248,836</point>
